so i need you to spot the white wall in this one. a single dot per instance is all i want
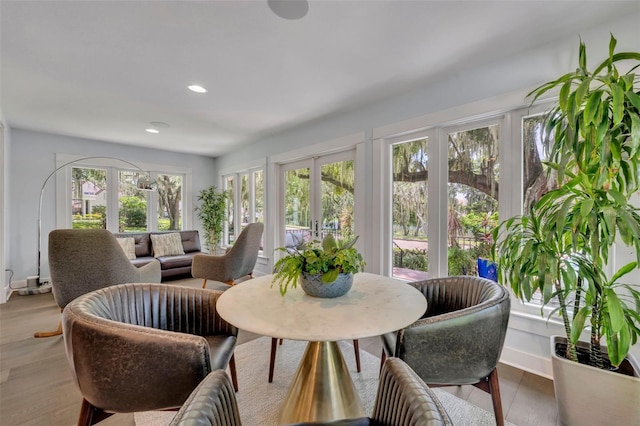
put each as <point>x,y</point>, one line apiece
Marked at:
<point>5,145</point>
<point>32,158</point>
<point>527,343</point>
<point>517,72</point>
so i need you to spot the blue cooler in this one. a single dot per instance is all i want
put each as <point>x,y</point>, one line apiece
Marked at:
<point>487,269</point>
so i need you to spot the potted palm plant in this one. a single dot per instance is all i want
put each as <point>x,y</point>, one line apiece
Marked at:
<point>324,269</point>
<point>561,247</point>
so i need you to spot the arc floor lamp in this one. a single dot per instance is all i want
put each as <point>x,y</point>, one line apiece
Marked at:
<point>144,183</point>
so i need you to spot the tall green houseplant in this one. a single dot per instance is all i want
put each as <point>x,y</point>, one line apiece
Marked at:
<point>562,245</point>
<point>212,210</point>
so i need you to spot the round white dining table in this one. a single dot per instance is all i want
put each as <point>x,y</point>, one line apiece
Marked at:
<point>322,389</point>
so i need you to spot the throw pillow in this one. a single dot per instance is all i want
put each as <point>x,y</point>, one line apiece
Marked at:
<point>128,246</point>
<point>166,244</point>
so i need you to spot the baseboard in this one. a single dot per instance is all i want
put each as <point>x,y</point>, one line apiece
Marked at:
<point>21,285</point>
<point>526,361</point>
<point>15,285</point>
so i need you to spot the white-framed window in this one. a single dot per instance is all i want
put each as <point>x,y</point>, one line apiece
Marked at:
<point>170,201</point>
<point>473,188</point>
<point>443,201</point>
<point>536,178</point>
<point>101,192</point>
<point>316,190</point>
<point>410,169</point>
<point>246,203</point>
<point>467,177</point>
<point>319,197</point>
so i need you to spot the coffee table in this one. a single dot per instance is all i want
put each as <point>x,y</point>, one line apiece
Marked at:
<point>322,389</point>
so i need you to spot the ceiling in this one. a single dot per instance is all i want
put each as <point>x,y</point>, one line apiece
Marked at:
<point>105,69</point>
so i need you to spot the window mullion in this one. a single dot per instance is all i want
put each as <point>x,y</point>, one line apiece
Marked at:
<point>252,196</point>
<point>152,207</point>
<point>113,213</point>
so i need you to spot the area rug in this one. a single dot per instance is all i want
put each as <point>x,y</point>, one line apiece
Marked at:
<point>259,401</point>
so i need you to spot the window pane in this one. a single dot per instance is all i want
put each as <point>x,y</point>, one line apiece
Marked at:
<point>258,177</point>
<point>473,197</point>
<point>229,232</point>
<point>89,198</point>
<point>337,199</point>
<point>169,202</point>
<point>535,178</point>
<point>245,200</point>
<point>410,167</point>
<point>132,203</point>
<point>296,202</point>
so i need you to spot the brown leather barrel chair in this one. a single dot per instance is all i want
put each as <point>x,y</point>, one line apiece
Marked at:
<point>459,339</point>
<point>141,347</point>
<point>402,400</point>
<point>212,403</point>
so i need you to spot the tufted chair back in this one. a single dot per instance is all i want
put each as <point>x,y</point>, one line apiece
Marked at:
<point>212,403</point>
<point>402,399</point>
<point>140,347</point>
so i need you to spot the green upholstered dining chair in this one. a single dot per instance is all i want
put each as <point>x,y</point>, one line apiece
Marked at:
<point>459,339</point>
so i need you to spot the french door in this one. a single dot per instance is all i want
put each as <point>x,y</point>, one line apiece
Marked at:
<point>444,200</point>
<point>318,196</point>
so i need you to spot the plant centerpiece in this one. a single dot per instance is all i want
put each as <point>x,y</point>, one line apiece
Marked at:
<point>212,214</point>
<point>562,246</point>
<point>325,269</point>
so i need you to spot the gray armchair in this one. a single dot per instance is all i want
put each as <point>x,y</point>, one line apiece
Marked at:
<point>83,260</point>
<point>141,347</point>
<point>237,262</point>
<point>402,400</point>
<point>459,339</point>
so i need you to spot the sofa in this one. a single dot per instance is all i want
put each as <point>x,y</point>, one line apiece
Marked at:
<point>171,265</point>
<point>293,239</point>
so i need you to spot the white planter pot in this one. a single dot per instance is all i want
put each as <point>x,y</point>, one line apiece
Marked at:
<point>587,395</point>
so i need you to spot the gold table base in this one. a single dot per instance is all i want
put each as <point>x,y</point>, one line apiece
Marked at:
<point>322,388</point>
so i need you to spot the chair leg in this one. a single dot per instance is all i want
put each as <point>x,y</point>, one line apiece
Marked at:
<point>56,332</point>
<point>383,358</point>
<point>86,414</point>
<point>230,282</point>
<point>204,283</point>
<point>90,415</point>
<point>356,348</point>
<point>234,374</point>
<point>272,359</point>
<point>494,390</point>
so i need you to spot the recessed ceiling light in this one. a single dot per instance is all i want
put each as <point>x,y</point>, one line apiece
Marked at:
<point>150,130</point>
<point>197,89</point>
<point>159,124</point>
<point>289,9</point>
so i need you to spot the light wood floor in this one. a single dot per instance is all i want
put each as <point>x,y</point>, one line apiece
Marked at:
<point>36,386</point>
